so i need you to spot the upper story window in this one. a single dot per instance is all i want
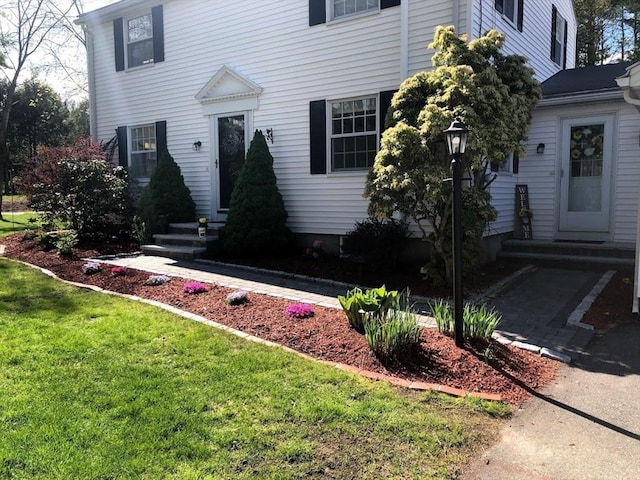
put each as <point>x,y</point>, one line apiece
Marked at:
<point>143,152</point>
<point>323,11</point>
<point>343,8</point>
<point>558,38</point>
<point>353,133</point>
<point>139,40</point>
<point>512,10</point>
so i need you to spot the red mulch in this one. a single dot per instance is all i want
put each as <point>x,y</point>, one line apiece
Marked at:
<point>509,373</point>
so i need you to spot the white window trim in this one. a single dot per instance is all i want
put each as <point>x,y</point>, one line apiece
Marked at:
<point>131,151</point>
<point>331,18</point>
<point>329,130</point>
<point>512,21</point>
<point>125,33</point>
<point>560,21</point>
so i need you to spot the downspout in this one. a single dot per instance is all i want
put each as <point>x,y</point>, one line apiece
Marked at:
<point>404,40</point>
<point>91,78</point>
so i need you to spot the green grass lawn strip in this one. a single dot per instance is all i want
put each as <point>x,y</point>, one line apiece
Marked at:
<point>95,386</point>
<point>17,222</point>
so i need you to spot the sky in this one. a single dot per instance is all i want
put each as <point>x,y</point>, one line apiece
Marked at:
<point>72,55</point>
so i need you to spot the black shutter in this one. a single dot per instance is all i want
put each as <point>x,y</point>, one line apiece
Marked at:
<point>318,137</point>
<point>118,41</point>
<point>554,19</point>
<point>317,12</point>
<point>389,3</point>
<point>123,154</point>
<point>158,34</point>
<point>385,103</point>
<point>499,5</point>
<point>520,14</point>
<point>161,139</point>
<point>566,34</point>
<point>516,162</point>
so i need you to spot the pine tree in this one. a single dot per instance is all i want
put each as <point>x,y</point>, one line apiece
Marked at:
<point>256,223</point>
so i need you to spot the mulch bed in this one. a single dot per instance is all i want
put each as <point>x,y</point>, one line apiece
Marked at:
<point>480,367</point>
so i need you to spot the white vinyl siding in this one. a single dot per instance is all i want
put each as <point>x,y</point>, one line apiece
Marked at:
<point>542,172</point>
<point>535,39</point>
<point>292,62</point>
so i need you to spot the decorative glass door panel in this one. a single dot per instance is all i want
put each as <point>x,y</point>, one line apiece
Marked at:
<point>230,137</point>
<point>587,155</point>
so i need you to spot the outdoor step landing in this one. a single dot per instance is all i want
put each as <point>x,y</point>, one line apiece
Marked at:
<point>176,252</point>
<point>559,257</point>
<point>184,239</point>
<point>192,228</point>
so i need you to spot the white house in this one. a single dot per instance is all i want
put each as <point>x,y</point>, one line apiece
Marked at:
<point>199,76</point>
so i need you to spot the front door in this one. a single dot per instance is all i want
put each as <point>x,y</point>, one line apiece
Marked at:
<point>230,148</point>
<point>585,186</point>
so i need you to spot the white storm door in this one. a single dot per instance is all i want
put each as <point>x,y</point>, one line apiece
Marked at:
<point>586,164</point>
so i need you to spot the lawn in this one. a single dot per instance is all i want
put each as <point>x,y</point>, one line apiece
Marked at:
<point>12,223</point>
<point>95,386</point>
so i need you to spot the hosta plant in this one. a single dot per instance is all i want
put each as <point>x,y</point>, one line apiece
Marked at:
<point>359,305</point>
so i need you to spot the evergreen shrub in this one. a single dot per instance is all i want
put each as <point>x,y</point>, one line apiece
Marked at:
<point>166,199</point>
<point>257,218</point>
<point>378,242</point>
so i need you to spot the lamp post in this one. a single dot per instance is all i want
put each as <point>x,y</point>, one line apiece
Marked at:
<point>457,142</point>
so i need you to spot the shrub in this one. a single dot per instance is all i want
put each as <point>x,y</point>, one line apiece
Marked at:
<point>90,268</point>
<point>118,271</point>
<point>156,280</point>
<point>299,310</point>
<point>78,188</point>
<point>236,298</point>
<point>477,321</point>
<point>194,287</point>
<point>166,198</point>
<point>64,241</point>
<point>358,305</point>
<point>139,232</point>
<point>377,242</point>
<point>257,218</point>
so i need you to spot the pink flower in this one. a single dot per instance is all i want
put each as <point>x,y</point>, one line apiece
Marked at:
<point>194,287</point>
<point>317,244</point>
<point>299,310</point>
<point>118,271</point>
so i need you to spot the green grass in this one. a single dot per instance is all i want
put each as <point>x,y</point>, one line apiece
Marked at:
<point>94,386</point>
<point>14,223</point>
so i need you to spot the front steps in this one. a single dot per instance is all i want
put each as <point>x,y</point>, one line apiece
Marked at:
<point>183,242</point>
<point>573,252</point>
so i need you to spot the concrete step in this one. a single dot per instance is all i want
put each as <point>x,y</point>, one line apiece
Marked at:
<point>186,240</point>
<point>176,252</point>
<point>582,252</point>
<point>191,228</point>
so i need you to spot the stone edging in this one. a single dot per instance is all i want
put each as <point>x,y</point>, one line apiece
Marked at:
<point>418,386</point>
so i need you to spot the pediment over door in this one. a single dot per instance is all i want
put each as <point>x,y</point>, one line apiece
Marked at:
<point>228,85</point>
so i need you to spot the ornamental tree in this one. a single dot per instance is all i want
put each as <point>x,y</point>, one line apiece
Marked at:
<point>494,95</point>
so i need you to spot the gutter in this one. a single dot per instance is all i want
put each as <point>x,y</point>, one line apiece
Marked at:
<point>593,96</point>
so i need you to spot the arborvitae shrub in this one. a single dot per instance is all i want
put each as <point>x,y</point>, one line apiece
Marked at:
<point>256,223</point>
<point>166,199</point>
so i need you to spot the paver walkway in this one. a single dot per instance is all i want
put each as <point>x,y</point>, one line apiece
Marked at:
<point>534,307</point>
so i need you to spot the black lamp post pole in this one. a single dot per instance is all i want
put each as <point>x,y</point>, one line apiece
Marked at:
<point>456,166</point>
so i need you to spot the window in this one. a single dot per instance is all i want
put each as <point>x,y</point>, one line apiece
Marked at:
<point>353,133</point>
<point>507,166</point>
<point>143,156</point>
<point>321,11</point>
<point>512,10</point>
<point>558,38</point>
<point>343,8</point>
<point>139,41</point>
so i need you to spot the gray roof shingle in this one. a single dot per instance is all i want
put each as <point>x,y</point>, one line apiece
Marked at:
<point>584,80</point>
